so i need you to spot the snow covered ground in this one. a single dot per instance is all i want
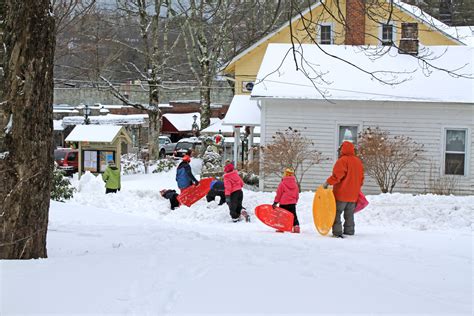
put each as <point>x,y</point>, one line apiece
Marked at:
<point>129,254</point>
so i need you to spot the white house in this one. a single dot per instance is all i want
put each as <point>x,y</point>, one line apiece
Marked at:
<point>337,98</point>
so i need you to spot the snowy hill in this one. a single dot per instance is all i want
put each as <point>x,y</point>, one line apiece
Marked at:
<point>129,254</point>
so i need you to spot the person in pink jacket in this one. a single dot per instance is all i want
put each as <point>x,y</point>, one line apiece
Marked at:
<point>287,196</point>
<point>233,193</point>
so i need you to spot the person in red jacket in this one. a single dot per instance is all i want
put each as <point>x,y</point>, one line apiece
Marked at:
<point>233,193</point>
<point>347,178</point>
<point>287,196</point>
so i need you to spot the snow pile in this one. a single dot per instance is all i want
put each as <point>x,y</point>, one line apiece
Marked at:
<point>89,184</point>
<point>421,212</point>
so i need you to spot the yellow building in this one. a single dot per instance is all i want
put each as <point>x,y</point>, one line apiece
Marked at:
<point>353,22</point>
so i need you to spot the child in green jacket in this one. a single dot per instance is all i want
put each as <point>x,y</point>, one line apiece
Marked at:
<point>111,177</point>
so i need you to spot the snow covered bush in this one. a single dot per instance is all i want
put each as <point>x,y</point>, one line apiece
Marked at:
<point>61,188</point>
<point>388,159</point>
<point>249,178</point>
<point>211,163</point>
<point>250,173</point>
<point>165,164</point>
<point>131,164</point>
<point>290,149</point>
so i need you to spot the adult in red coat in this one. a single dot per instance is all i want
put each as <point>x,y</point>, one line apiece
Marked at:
<point>233,193</point>
<point>347,179</point>
<point>287,196</point>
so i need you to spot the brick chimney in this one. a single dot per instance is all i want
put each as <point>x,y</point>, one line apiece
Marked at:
<point>355,22</point>
<point>409,39</point>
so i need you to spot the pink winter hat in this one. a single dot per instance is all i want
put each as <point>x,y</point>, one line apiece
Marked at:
<point>229,168</point>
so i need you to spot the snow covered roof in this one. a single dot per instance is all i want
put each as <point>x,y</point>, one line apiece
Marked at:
<point>109,119</point>
<point>216,126</point>
<point>63,110</point>
<point>242,112</point>
<point>58,125</point>
<point>183,121</point>
<point>96,133</point>
<point>337,80</point>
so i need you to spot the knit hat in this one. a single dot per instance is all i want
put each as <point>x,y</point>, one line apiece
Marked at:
<point>111,163</point>
<point>289,172</point>
<point>229,168</point>
<point>186,158</point>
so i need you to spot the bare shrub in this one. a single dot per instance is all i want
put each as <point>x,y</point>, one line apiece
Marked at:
<point>289,149</point>
<point>441,185</point>
<point>388,159</point>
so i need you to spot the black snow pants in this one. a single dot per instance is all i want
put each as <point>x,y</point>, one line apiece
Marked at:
<point>292,209</point>
<point>235,205</point>
<point>211,196</point>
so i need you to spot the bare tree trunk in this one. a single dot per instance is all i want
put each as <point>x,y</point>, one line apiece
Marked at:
<point>153,132</point>
<point>26,158</point>
<point>205,96</point>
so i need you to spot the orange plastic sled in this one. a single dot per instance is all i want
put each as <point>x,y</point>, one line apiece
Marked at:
<point>194,193</point>
<point>324,210</point>
<point>277,218</point>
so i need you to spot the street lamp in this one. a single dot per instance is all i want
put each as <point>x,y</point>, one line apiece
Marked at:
<point>87,112</point>
<point>243,139</point>
<point>195,127</point>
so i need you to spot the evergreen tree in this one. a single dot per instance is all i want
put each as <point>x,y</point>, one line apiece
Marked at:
<point>61,188</point>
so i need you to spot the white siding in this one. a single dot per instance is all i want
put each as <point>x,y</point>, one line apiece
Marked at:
<point>424,122</point>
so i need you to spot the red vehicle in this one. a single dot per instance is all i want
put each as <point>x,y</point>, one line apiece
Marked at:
<point>67,160</point>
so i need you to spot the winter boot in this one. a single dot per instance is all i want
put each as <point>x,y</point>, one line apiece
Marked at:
<point>245,215</point>
<point>338,236</point>
<point>296,229</point>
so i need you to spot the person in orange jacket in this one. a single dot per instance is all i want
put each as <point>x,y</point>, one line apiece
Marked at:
<point>287,196</point>
<point>347,178</point>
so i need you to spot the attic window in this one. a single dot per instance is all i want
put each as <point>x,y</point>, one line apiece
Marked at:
<point>325,34</point>
<point>387,34</point>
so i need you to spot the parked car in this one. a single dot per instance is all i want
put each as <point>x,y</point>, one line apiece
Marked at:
<point>166,146</point>
<point>67,160</point>
<point>185,146</point>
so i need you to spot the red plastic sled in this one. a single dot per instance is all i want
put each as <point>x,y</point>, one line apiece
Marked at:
<point>277,218</point>
<point>361,203</point>
<point>194,193</point>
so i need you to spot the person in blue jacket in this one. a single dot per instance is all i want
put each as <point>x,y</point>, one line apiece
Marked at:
<point>217,189</point>
<point>184,175</point>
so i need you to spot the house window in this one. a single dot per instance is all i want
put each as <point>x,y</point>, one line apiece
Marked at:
<point>455,152</point>
<point>409,31</point>
<point>348,133</point>
<point>387,34</point>
<point>325,34</point>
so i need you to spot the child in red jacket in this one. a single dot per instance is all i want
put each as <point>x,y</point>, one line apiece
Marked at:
<point>233,193</point>
<point>287,196</point>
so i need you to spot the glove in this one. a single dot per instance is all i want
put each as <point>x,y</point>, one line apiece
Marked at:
<point>227,199</point>
<point>274,204</point>
<point>325,185</point>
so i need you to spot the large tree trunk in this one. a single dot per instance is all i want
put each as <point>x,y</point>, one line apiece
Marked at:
<point>26,129</point>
